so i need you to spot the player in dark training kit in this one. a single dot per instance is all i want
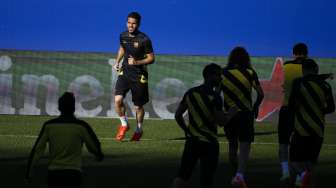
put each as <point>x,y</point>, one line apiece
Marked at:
<point>135,52</point>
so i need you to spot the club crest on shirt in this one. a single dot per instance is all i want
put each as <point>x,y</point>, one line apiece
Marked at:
<point>136,44</point>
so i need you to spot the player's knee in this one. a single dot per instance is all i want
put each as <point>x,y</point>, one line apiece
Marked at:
<point>118,99</point>
<point>138,108</point>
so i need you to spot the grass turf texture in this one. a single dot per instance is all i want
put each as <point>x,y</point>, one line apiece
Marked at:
<point>152,162</point>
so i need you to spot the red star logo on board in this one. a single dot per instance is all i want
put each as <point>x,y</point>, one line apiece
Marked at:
<point>273,91</point>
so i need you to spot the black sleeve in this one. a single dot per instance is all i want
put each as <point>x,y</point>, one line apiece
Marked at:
<point>148,48</point>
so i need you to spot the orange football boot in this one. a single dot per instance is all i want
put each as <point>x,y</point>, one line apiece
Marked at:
<point>122,132</point>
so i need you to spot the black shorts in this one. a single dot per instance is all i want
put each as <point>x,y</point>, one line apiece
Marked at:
<point>240,127</point>
<point>64,178</point>
<point>305,148</point>
<point>138,87</point>
<point>285,125</point>
<point>207,153</point>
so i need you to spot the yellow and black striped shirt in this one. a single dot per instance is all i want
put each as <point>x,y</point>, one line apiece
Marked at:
<point>65,137</point>
<point>202,102</point>
<point>311,99</point>
<point>293,69</point>
<point>237,87</point>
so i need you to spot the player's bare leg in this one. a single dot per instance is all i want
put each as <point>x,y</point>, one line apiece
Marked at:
<point>233,155</point>
<point>119,105</point>
<point>286,180</point>
<point>283,157</point>
<point>244,152</point>
<point>121,111</point>
<point>140,114</point>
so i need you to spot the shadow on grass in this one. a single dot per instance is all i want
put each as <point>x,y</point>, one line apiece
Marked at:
<point>13,159</point>
<point>223,135</point>
<point>153,170</point>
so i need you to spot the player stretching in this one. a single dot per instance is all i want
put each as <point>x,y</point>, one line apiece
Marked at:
<point>137,52</point>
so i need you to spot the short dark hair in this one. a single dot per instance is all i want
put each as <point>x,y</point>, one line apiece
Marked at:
<point>66,103</point>
<point>239,58</point>
<point>300,49</point>
<point>135,15</point>
<point>210,69</point>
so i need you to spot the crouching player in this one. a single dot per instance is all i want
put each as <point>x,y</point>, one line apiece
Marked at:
<point>310,100</point>
<point>204,106</point>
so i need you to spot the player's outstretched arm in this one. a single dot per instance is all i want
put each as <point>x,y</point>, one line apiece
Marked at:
<point>326,76</point>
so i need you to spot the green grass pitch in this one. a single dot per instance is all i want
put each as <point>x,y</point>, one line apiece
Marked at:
<point>152,162</point>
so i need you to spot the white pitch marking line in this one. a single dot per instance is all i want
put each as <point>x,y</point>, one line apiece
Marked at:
<point>147,139</point>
